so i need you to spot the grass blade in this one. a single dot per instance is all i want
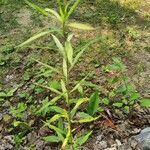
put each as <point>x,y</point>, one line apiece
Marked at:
<point>42,11</point>
<point>80,26</point>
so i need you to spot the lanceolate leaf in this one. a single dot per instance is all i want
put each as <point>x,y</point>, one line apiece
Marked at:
<point>72,8</point>
<point>33,38</point>
<point>59,45</point>
<point>55,117</point>
<point>84,117</point>
<point>57,130</point>
<point>69,51</point>
<point>82,139</point>
<point>47,66</point>
<point>53,12</point>
<point>52,138</point>
<point>82,51</point>
<point>49,88</point>
<point>42,11</point>
<point>145,102</point>
<point>65,71</point>
<point>93,104</point>
<point>63,86</point>
<point>58,110</point>
<point>80,26</point>
<point>79,102</point>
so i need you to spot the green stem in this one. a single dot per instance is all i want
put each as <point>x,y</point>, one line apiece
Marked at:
<point>69,112</point>
<point>64,30</point>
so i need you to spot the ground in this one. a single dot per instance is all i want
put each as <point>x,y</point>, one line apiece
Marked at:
<point>124,28</point>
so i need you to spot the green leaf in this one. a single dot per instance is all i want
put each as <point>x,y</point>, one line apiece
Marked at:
<point>105,101</point>
<point>49,88</point>
<point>21,124</point>
<point>55,117</point>
<point>72,8</point>
<point>65,142</point>
<point>45,105</point>
<point>57,130</point>
<point>135,96</point>
<point>80,26</point>
<point>33,38</point>
<point>3,94</point>
<point>118,105</point>
<point>47,66</point>
<point>65,69</point>
<point>54,84</point>
<point>78,84</point>
<point>52,138</point>
<point>58,110</point>
<point>145,102</point>
<point>79,102</point>
<point>82,139</point>
<point>69,51</point>
<point>42,11</point>
<point>63,86</point>
<point>121,89</point>
<point>84,117</point>
<point>53,12</point>
<point>82,51</point>
<point>59,45</point>
<point>93,104</point>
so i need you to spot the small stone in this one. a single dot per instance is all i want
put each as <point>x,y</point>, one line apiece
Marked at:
<point>98,139</point>
<point>112,148</point>
<point>103,144</point>
<point>136,131</point>
<point>133,143</point>
<point>118,142</point>
<point>9,138</point>
<point>39,144</point>
<point>47,148</point>
<point>143,139</point>
<point>1,116</point>
<point>32,137</point>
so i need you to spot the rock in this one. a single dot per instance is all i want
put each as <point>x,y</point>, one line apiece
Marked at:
<point>98,138</point>
<point>32,137</point>
<point>1,116</point>
<point>103,144</point>
<point>144,139</point>
<point>112,148</point>
<point>118,142</point>
<point>47,148</point>
<point>133,143</point>
<point>40,144</point>
<point>9,138</point>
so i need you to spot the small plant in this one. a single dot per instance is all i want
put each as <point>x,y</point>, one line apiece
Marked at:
<point>122,94</point>
<point>19,111</point>
<point>64,105</point>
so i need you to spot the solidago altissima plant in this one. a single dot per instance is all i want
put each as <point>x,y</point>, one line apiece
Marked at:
<point>64,119</point>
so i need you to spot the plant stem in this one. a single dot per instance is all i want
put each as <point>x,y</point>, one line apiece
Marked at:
<point>69,111</point>
<point>64,30</point>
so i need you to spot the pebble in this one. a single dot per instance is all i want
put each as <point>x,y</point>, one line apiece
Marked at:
<point>143,139</point>
<point>1,116</point>
<point>103,144</point>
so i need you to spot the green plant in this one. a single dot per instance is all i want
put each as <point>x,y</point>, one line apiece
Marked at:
<point>19,111</point>
<point>123,94</point>
<point>65,115</point>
